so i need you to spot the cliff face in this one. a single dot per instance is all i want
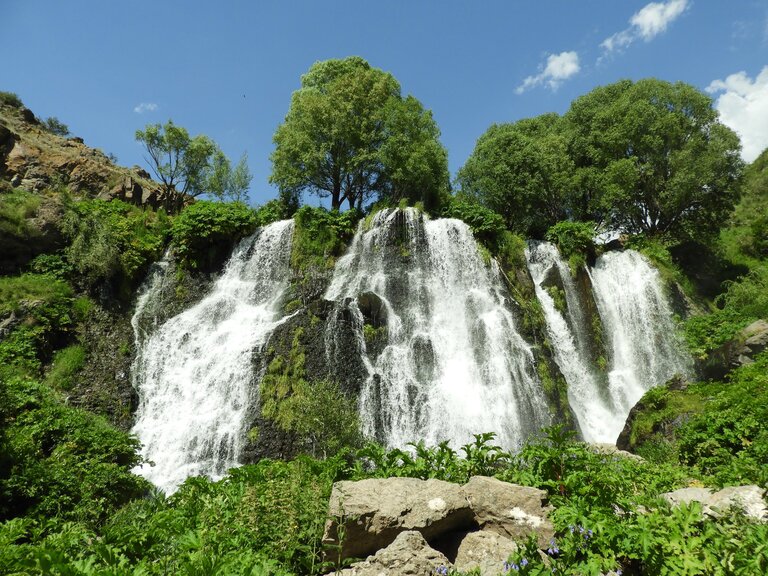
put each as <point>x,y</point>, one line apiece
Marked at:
<point>36,168</point>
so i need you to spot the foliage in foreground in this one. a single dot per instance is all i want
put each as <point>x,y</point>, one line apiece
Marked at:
<point>268,518</point>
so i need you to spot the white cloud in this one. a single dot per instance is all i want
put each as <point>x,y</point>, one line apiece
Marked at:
<point>743,106</point>
<point>559,67</point>
<point>145,107</point>
<point>650,21</point>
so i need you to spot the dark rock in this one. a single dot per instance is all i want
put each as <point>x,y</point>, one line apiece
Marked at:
<point>373,309</point>
<point>739,351</point>
<point>29,116</point>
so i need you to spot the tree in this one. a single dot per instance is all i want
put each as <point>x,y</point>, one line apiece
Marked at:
<point>188,167</point>
<point>55,126</point>
<point>523,172</point>
<point>653,158</point>
<point>334,141</point>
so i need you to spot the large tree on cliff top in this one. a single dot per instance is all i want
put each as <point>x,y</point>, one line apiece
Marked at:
<point>349,135</point>
<point>653,158</point>
<point>523,172</point>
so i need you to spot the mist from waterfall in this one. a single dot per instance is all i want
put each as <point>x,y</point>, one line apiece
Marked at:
<point>194,373</point>
<point>453,363</point>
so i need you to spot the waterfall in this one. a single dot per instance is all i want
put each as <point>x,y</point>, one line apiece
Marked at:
<point>638,329</point>
<point>568,333</point>
<point>452,363</point>
<point>194,374</point>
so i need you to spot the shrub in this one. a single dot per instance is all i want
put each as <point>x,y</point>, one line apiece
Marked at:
<point>10,99</point>
<point>113,241</point>
<point>320,236</point>
<point>575,240</point>
<point>487,226</point>
<point>63,461</point>
<point>55,126</point>
<point>205,232</point>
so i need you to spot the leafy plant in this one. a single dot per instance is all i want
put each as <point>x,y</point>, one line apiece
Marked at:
<point>205,232</point>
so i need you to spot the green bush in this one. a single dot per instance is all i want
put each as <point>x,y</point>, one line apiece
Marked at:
<point>320,236</point>
<point>113,241</point>
<point>575,240</point>
<point>16,207</point>
<point>205,232</point>
<point>62,462</point>
<point>10,99</point>
<point>67,362</point>
<point>55,126</point>
<point>487,226</point>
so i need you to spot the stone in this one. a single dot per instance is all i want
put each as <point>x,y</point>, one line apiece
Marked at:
<point>374,511</point>
<point>748,498</point>
<point>612,450</point>
<point>484,550</point>
<point>509,510</point>
<point>373,309</point>
<point>408,555</point>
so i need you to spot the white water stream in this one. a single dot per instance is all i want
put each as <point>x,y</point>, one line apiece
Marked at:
<point>454,363</point>
<point>638,329</point>
<point>567,331</point>
<point>194,374</point>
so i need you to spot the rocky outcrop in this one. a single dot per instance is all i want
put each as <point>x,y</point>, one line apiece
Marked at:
<point>749,499</point>
<point>368,515</point>
<point>739,351</point>
<point>34,159</point>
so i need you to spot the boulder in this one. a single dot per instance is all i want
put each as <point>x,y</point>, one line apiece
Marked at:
<point>369,514</point>
<point>748,498</point>
<point>374,511</point>
<point>509,510</point>
<point>373,309</point>
<point>408,555</point>
<point>483,550</point>
<point>739,351</point>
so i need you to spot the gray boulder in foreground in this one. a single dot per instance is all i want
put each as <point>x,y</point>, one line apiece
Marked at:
<point>367,515</point>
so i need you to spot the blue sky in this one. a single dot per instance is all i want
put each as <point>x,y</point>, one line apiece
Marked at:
<point>227,69</point>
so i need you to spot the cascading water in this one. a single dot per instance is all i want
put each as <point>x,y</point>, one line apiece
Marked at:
<point>453,363</point>
<point>597,417</point>
<point>194,374</point>
<point>638,329</point>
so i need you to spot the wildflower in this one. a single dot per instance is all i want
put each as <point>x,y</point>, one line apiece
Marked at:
<point>553,549</point>
<point>570,528</point>
<point>524,562</point>
<point>589,534</point>
<point>441,570</point>
<point>619,572</point>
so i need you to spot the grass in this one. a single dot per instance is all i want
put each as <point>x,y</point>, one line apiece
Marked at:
<point>30,288</point>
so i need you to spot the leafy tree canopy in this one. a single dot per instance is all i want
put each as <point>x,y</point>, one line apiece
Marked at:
<point>653,158</point>
<point>350,135</point>
<point>191,166</point>
<point>523,172</point>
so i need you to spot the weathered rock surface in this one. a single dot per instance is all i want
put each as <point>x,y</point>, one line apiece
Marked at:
<point>408,555</point>
<point>34,159</point>
<point>371,513</point>
<point>748,498</point>
<point>739,351</point>
<point>484,550</point>
<point>508,509</point>
<point>374,511</point>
